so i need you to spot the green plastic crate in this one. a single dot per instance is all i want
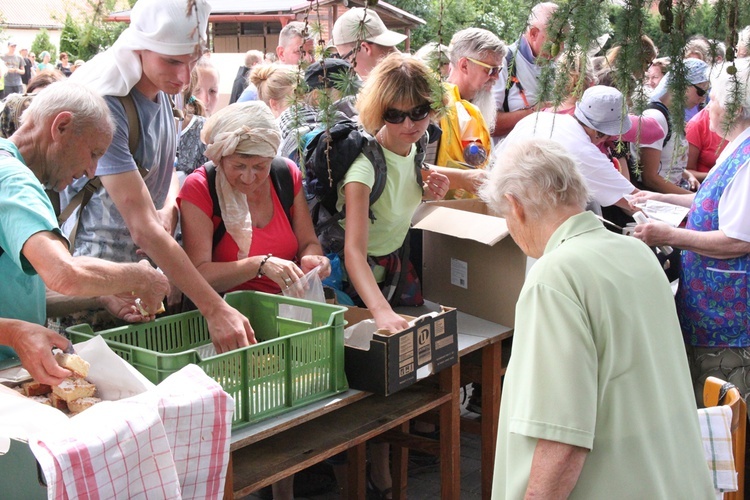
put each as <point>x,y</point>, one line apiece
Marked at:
<point>294,363</point>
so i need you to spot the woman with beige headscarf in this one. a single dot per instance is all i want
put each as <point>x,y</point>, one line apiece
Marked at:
<point>262,248</point>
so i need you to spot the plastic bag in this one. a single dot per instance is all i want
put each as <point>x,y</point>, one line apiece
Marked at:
<point>309,287</point>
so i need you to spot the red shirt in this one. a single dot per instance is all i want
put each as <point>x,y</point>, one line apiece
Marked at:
<point>710,144</point>
<point>276,238</point>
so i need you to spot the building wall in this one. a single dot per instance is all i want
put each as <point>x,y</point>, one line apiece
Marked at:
<point>25,37</point>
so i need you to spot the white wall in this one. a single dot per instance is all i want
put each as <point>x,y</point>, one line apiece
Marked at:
<point>227,64</point>
<point>25,37</point>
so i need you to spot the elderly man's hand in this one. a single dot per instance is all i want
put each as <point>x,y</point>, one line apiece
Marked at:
<point>654,233</point>
<point>155,286</point>
<point>33,343</point>
<point>229,329</point>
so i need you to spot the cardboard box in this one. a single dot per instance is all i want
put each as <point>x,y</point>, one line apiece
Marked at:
<point>469,260</point>
<point>393,359</point>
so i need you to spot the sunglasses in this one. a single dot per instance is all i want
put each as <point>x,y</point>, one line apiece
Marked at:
<point>491,70</point>
<point>415,114</point>
<point>346,56</point>
<point>701,92</point>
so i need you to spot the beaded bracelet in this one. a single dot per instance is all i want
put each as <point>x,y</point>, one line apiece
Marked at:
<point>262,262</point>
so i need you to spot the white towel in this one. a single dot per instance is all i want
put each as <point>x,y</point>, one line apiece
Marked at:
<point>716,424</point>
<point>169,442</point>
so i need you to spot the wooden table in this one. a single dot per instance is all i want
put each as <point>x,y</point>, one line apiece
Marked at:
<point>345,424</point>
<point>271,450</point>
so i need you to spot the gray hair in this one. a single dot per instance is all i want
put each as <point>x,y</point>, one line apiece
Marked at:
<point>541,14</point>
<point>722,88</point>
<point>475,42</point>
<point>540,174</point>
<point>88,108</point>
<point>743,44</point>
<point>290,32</point>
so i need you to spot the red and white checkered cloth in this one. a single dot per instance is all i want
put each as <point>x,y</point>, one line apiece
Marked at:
<point>171,442</point>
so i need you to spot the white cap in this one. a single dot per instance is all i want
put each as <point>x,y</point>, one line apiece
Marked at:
<point>348,28</point>
<point>602,109</point>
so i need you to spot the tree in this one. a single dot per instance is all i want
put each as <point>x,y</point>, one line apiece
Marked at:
<point>84,39</point>
<point>42,43</point>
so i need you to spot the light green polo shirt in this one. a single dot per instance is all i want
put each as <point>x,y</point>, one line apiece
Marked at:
<point>598,362</point>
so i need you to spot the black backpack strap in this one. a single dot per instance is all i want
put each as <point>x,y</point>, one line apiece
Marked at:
<point>221,229</point>
<point>282,181</point>
<point>374,152</point>
<point>510,63</point>
<point>665,111</point>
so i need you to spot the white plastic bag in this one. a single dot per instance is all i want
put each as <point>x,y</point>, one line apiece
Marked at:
<point>309,287</point>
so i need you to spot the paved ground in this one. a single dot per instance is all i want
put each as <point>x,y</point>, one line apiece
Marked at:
<point>424,480</point>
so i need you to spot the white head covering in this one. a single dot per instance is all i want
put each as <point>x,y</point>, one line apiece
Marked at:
<point>696,72</point>
<point>161,26</point>
<point>245,128</point>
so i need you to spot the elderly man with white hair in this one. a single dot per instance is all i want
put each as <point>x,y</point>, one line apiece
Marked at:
<point>135,210</point>
<point>596,341</point>
<point>64,132</point>
<point>599,115</point>
<point>516,90</point>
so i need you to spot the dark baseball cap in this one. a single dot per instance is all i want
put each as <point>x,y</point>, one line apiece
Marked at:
<point>318,75</point>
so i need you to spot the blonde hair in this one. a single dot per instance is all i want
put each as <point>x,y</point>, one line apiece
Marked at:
<point>399,80</point>
<point>274,81</point>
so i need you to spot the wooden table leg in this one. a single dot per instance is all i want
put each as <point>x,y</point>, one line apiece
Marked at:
<point>229,484</point>
<point>491,388</point>
<point>450,435</point>
<point>400,467</point>
<point>356,472</point>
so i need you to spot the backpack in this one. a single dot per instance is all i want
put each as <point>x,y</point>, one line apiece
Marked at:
<point>282,183</point>
<point>324,171</point>
<point>510,63</point>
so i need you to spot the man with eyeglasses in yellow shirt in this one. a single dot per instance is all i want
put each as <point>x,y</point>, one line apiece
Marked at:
<point>476,57</point>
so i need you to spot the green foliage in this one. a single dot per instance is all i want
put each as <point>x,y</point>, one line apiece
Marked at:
<point>86,38</point>
<point>41,43</point>
<point>69,38</point>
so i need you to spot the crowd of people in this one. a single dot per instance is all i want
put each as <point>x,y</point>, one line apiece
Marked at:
<point>151,172</point>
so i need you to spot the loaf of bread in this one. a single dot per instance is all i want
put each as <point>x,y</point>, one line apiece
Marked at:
<point>34,388</point>
<point>74,363</point>
<point>71,389</point>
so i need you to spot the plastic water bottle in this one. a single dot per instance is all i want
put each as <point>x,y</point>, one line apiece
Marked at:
<point>474,153</point>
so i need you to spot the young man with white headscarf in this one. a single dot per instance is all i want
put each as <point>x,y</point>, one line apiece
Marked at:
<point>132,213</point>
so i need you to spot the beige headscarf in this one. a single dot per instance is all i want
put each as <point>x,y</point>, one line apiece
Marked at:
<point>161,26</point>
<point>245,128</point>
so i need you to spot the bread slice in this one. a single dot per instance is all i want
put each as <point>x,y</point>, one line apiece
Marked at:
<point>74,388</point>
<point>34,388</point>
<point>58,402</point>
<point>78,405</point>
<point>74,363</point>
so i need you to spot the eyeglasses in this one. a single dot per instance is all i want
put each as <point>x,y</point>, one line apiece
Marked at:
<point>491,70</point>
<point>415,114</point>
<point>700,91</point>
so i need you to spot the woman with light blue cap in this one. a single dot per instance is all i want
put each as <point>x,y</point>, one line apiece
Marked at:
<point>663,162</point>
